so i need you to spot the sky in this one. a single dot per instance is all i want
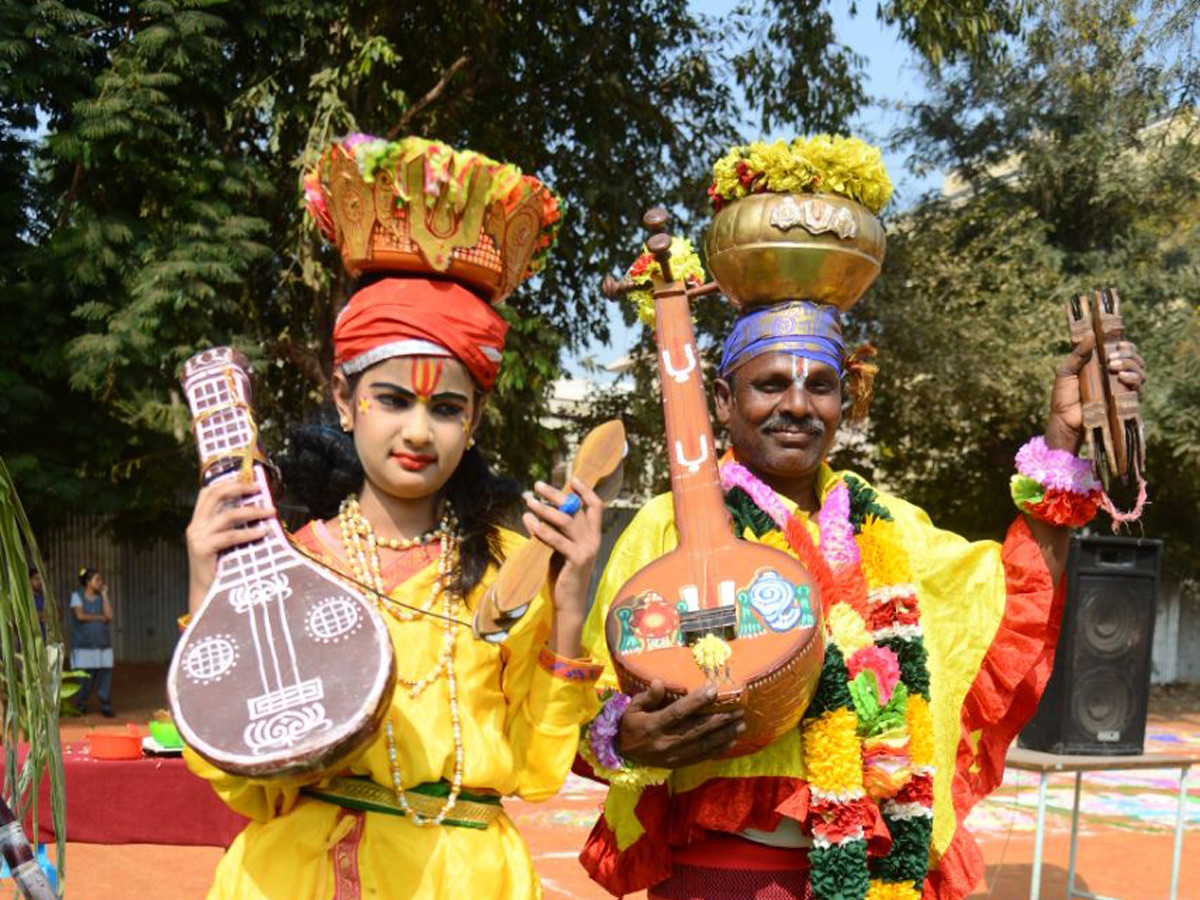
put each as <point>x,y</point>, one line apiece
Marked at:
<point>891,76</point>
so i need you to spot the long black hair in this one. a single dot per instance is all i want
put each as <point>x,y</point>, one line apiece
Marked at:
<point>321,468</point>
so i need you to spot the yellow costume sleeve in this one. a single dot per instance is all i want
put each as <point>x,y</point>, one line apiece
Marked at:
<point>548,699</point>
<point>260,799</point>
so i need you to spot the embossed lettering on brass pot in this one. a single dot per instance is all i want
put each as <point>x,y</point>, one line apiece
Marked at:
<point>768,247</point>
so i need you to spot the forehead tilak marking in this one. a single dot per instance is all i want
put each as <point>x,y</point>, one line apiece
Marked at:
<point>426,375</point>
<point>802,362</point>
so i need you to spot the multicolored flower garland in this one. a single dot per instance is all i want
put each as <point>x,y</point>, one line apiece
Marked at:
<point>868,733</point>
<point>1054,486</point>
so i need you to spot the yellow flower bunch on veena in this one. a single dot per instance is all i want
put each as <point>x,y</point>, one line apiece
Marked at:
<point>685,266</point>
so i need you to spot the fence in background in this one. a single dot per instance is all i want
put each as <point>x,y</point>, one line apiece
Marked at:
<point>147,584</point>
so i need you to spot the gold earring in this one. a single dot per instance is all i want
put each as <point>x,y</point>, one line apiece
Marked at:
<point>345,425</point>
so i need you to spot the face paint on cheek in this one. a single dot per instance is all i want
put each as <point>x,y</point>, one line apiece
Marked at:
<point>426,374</point>
<point>364,405</point>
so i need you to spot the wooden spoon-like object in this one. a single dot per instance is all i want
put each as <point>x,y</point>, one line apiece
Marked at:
<point>524,572</point>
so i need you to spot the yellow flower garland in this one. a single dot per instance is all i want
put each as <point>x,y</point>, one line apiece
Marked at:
<point>920,730</point>
<point>892,890</point>
<point>685,267</point>
<point>833,753</point>
<point>884,561</point>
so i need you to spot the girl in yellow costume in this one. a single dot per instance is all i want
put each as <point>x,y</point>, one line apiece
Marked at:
<point>470,721</point>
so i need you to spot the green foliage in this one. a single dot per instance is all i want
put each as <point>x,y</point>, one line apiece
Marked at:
<point>150,164</point>
<point>72,683</point>
<point>1078,165</point>
<point>948,32</point>
<point>1083,170</point>
<point>30,674</point>
<point>968,328</point>
<point>159,211</point>
<point>794,71</point>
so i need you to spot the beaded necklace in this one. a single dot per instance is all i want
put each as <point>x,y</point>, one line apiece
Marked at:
<point>867,733</point>
<point>362,553</point>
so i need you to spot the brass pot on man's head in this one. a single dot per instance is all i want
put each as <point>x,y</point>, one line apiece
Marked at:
<point>768,247</point>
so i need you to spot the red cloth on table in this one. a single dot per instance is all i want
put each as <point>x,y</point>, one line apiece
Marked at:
<point>152,800</point>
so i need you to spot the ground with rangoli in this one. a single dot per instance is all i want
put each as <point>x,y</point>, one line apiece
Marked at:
<point>1126,822</point>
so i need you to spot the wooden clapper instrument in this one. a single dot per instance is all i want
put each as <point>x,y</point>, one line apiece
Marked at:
<point>1112,421</point>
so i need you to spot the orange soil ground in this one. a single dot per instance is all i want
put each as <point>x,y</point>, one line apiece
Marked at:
<point>1116,859</point>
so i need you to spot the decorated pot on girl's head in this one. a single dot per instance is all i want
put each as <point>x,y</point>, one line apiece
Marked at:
<point>768,247</point>
<point>421,207</point>
<point>797,221</point>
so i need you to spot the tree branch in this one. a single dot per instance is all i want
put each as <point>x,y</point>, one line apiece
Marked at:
<point>434,92</point>
<point>69,200</point>
<point>306,361</point>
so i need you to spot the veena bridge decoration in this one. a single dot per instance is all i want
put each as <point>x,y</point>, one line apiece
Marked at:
<point>283,669</point>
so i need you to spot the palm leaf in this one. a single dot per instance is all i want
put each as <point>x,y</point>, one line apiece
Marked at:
<point>30,674</point>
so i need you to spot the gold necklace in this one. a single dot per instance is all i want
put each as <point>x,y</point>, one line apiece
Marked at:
<point>362,553</point>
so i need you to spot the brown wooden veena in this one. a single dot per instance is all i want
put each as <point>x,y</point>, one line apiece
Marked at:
<point>762,602</point>
<point>284,668</point>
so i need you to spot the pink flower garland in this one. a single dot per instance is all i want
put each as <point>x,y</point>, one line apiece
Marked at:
<point>837,534</point>
<point>1055,468</point>
<point>735,475</point>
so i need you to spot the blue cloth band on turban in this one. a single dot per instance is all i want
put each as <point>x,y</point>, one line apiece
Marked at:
<point>799,327</point>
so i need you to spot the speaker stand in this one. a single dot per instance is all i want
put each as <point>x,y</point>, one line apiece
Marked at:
<point>1047,764</point>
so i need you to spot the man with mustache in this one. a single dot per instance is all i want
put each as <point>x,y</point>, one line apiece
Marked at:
<point>953,640</point>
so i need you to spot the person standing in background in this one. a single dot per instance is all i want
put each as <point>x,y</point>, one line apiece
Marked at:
<point>91,639</point>
<point>39,597</point>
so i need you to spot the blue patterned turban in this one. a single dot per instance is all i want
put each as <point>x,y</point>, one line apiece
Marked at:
<point>799,327</point>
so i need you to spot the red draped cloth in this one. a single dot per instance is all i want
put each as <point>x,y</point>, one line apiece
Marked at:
<point>152,800</point>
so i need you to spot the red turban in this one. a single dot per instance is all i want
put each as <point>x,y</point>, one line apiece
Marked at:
<point>419,316</point>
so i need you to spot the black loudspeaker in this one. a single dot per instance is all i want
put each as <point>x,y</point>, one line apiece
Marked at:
<point>1095,702</point>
